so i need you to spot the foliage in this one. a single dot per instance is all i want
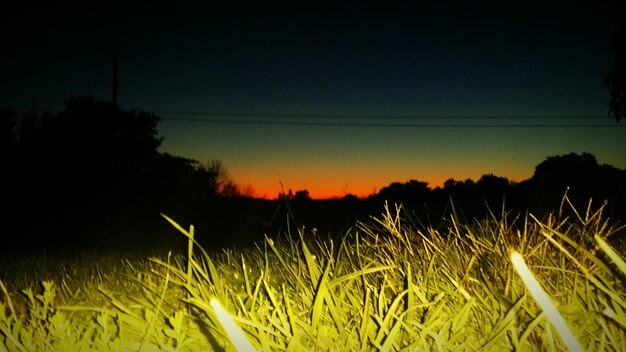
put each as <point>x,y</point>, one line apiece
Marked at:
<point>615,80</point>
<point>93,171</point>
<point>389,285</point>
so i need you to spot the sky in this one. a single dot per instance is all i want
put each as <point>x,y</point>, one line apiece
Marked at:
<point>335,99</point>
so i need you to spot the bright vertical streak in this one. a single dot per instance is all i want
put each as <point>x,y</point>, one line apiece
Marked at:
<point>544,302</point>
<point>235,334</point>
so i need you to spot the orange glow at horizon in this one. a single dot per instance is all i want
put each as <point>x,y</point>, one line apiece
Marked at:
<point>331,163</point>
<point>267,184</point>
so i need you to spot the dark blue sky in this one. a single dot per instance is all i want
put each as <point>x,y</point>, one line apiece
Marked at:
<point>482,58</point>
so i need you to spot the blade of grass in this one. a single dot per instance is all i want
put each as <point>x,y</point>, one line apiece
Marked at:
<point>544,302</point>
<point>236,336</point>
<point>611,253</point>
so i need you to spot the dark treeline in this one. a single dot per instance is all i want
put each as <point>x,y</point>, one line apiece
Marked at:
<point>91,176</point>
<point>578,176</point>
<point>585,182</point>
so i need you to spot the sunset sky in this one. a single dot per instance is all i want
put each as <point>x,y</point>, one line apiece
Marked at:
<point>335,99</point>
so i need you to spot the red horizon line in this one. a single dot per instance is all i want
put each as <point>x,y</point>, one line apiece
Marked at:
<point>330,197</point>
<point>339,197</point>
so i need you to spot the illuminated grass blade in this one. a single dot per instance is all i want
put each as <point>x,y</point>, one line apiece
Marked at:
<point>190,236</point>
<point>544,302</point>
<point>234,333</point>
<point>611,253</point>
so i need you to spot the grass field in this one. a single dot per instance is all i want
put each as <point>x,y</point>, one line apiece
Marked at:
<point>385,285</point>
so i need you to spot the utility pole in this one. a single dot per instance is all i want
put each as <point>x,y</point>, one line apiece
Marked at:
<point>114,85</point>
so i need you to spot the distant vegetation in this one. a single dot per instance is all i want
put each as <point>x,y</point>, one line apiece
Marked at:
<point>615,80</point>
<point>91,175</point>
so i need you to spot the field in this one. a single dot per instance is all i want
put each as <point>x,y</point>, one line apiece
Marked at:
<point>388,284</point>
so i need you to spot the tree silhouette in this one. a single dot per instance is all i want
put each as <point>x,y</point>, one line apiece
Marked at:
<point>83,171</point>
<point>93,143</point>
<point>301,196</point>
<point>558,172</point>
<point>91,175</point>
<point>229,189</point>
<point>615,80</point>
<point>493,182</point>
<point>580,176</point>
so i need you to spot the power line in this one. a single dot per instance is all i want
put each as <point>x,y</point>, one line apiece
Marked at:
<point>377,125</point>
<point>370,117</point>
<point>337,120</point>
